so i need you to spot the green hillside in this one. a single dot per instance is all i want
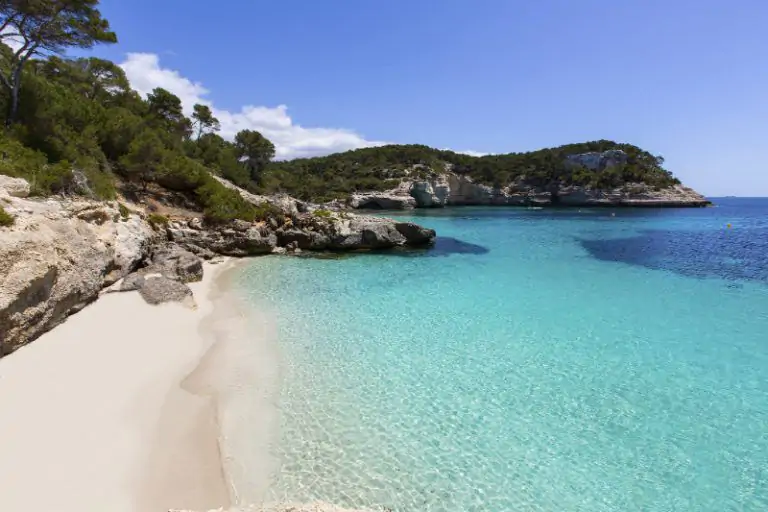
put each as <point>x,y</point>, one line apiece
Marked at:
<point>382,168</point>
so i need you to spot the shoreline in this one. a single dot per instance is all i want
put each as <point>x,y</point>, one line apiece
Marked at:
<point>103,412</point>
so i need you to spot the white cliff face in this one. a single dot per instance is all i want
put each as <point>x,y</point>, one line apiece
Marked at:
<point>596,161</point>
<point>57,257</point>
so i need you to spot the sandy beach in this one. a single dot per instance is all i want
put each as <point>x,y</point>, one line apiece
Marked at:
<point>117,409</point>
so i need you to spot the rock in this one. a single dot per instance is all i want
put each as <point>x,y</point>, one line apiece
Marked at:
<point>195,223</point>
<point>360,232</point>
<point>175,262</point>
<point>431,193</point>
<point>304,239</point>
<point>415,234</point>
<point>225,241</point>
<point>382,201</point>
<point>132,282</point>
<point>598,161</point>
<point>53,263</point>
<point>241,225</point>
<point>157,290</point>
<point>14,187</point>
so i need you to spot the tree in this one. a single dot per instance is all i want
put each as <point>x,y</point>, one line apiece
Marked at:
<point>40,27</point>
<point>203,119</point>
<point>145,158</point>
<point>166,108</point>
<point>255,150</point>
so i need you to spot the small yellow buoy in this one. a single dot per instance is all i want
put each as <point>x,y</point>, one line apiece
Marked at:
<point>729,225</point>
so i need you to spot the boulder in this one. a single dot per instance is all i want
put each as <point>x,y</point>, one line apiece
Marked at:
<point>14,187</point>
<point>415,234</point>
<point>160,289</point>
<point>304,239</point>
<point>224,240</point>
<point>382,201</point>
<point>360,232</point>
<point>175,262</point>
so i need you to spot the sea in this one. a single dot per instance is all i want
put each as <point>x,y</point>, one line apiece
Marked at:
<point>533,360</point>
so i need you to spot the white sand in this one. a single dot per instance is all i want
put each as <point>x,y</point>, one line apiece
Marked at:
<point>108,411</point>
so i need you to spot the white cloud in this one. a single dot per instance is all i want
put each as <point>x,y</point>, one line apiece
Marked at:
<point>467,152</point>
<point>15,42</point>
<point>291,140</point>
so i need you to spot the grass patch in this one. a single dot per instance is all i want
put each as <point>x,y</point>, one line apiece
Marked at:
<point>157,221</point>
<point>6,219</point>
<point>125,212</point>
<point>323,214</point>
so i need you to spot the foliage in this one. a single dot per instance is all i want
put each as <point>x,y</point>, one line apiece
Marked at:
<point>323,214</point>
<point>221,204</point>
<point>145,159</point>
<point>157,221</point>
<point>203,119</point>
<point>125,212</point>
<point>6,219</point>
<point>255,150</point>
<point>43,27</point>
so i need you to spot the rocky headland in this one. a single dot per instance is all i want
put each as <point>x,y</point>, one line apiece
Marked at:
<point>426,187</point>
<point>61,253</point>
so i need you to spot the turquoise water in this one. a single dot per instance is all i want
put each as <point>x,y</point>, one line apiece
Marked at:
<point>535,360</point>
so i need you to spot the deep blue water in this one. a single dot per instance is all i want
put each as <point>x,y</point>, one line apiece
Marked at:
<point>534,360</point>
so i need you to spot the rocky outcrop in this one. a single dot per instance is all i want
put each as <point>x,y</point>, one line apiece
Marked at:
<point>234,240</point>
<point>383,201</point>
<point>57,257</point>
<point>447,188</point>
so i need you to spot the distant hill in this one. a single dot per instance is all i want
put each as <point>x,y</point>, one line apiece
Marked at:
<point>382,168</point>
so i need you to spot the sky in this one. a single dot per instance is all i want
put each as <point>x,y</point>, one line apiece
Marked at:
<point>687,79</point>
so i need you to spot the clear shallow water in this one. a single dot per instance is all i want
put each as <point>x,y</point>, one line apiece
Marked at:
<point>536,360</point>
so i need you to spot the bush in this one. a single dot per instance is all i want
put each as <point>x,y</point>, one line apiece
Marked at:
<point>324,214</point>
<point>221,205</point>
<point>125,212</point>
<point>157,221</point>
<point>6,219</point>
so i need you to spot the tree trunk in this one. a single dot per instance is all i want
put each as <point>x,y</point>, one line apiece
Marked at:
<point>13,108</point>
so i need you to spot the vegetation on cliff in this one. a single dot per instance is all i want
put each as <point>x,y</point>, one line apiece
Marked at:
<point>381,168</point>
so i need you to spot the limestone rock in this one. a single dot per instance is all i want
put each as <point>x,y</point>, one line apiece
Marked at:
<point>160,289</point>
<point>175,262</point>
<point>382,201</point>
<point>14,187</point>
<point>53,263</point>
<point>415,234</point>
<point>225,241</point>
<point>304,239</point>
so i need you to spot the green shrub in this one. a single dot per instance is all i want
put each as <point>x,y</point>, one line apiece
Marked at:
<point>6,219</point>
<point>157,221</point>
<point>324,214</point>
<point>221,205</point>
<point>267,210</point>
<point>125,212</point>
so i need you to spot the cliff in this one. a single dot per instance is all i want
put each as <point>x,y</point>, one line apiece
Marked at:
<point>60,253</point>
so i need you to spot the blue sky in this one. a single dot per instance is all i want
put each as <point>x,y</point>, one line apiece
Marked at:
<point>682,78</point>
